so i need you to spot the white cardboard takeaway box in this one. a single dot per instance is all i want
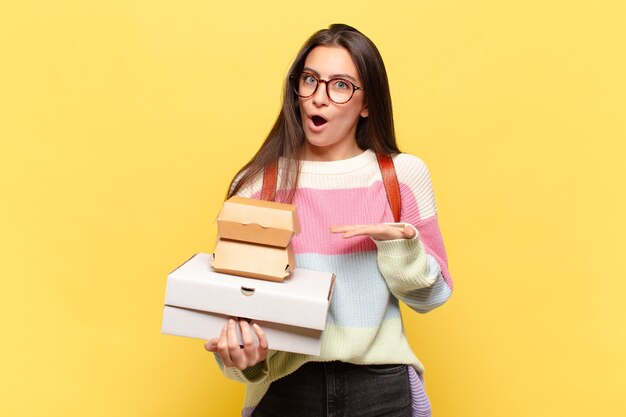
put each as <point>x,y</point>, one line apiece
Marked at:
<point>292,313</point>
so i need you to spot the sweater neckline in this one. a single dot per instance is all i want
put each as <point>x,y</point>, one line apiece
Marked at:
<point>338,167</point>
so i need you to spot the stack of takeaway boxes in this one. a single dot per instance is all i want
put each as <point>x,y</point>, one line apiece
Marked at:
<point>251,275</point>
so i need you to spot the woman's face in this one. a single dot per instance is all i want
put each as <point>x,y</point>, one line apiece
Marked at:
<point>329,128</point>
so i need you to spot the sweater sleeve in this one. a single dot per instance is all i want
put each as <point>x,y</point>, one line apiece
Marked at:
<point>416,270</point>
<point>413,276</point>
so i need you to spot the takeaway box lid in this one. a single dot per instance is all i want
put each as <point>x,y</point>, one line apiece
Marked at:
<point>258,221</point>
<point>301,300</point>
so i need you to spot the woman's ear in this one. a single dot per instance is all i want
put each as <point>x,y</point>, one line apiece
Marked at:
<point>364,111</point>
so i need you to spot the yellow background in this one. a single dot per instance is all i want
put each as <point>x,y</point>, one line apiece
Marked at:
<point>122,122</point>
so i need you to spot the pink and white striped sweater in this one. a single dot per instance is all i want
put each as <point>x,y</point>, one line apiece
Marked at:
<point>364,325</point>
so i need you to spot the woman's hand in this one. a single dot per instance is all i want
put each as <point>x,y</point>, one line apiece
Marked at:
<point>233,355</point>
<point>376,231</point>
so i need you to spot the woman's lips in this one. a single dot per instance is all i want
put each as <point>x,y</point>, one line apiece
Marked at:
<point>317,123</point>
<point>318,120</point>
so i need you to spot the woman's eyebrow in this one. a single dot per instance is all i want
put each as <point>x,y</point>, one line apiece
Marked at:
<point>332,76</point>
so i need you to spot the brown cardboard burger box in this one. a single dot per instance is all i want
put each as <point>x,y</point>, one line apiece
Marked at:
<point>254,239</point>
<point>292,313</point>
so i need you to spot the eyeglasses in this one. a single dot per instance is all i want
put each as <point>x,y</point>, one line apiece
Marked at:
<point>338,90</point>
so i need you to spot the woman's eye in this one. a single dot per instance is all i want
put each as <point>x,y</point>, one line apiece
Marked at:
<point>341,85</point>
<point>309,79</point>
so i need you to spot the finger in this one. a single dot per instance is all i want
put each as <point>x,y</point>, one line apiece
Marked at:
<point>263,345</point>
<point>344,228</point>
<point>211,345</point>
<point>248,340</point>
<point>231,333</point>
<point>222,348</point>
<point>236,354</point>
<point>361,230</point>
<point>375,231</point>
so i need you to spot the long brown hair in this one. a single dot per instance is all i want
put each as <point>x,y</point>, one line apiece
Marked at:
<point>286,138</point>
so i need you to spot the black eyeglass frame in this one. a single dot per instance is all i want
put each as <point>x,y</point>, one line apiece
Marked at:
<point>296,78</point>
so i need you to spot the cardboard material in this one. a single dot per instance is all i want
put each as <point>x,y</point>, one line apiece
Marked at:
<point>255,261</point>
<point>292,313</point>
<point>254,239</point>
<point>204,325</point>
<point>258,221</point>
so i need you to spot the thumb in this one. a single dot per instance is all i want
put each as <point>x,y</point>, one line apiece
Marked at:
<point>409,232</point>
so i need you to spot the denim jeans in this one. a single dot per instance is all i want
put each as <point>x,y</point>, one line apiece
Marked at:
<point>338,389</point>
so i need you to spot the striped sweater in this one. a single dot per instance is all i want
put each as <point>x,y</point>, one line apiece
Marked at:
<point>364,325</point>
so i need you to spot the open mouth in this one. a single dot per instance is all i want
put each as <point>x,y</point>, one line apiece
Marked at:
<point>318,120</point>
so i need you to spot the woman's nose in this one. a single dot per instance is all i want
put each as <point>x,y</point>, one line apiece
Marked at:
<point>320,98</point>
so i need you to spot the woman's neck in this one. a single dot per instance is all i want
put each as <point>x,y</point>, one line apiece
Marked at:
<point>330,153</point>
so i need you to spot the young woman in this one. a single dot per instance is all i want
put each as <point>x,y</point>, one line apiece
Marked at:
<point>335,120</point>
